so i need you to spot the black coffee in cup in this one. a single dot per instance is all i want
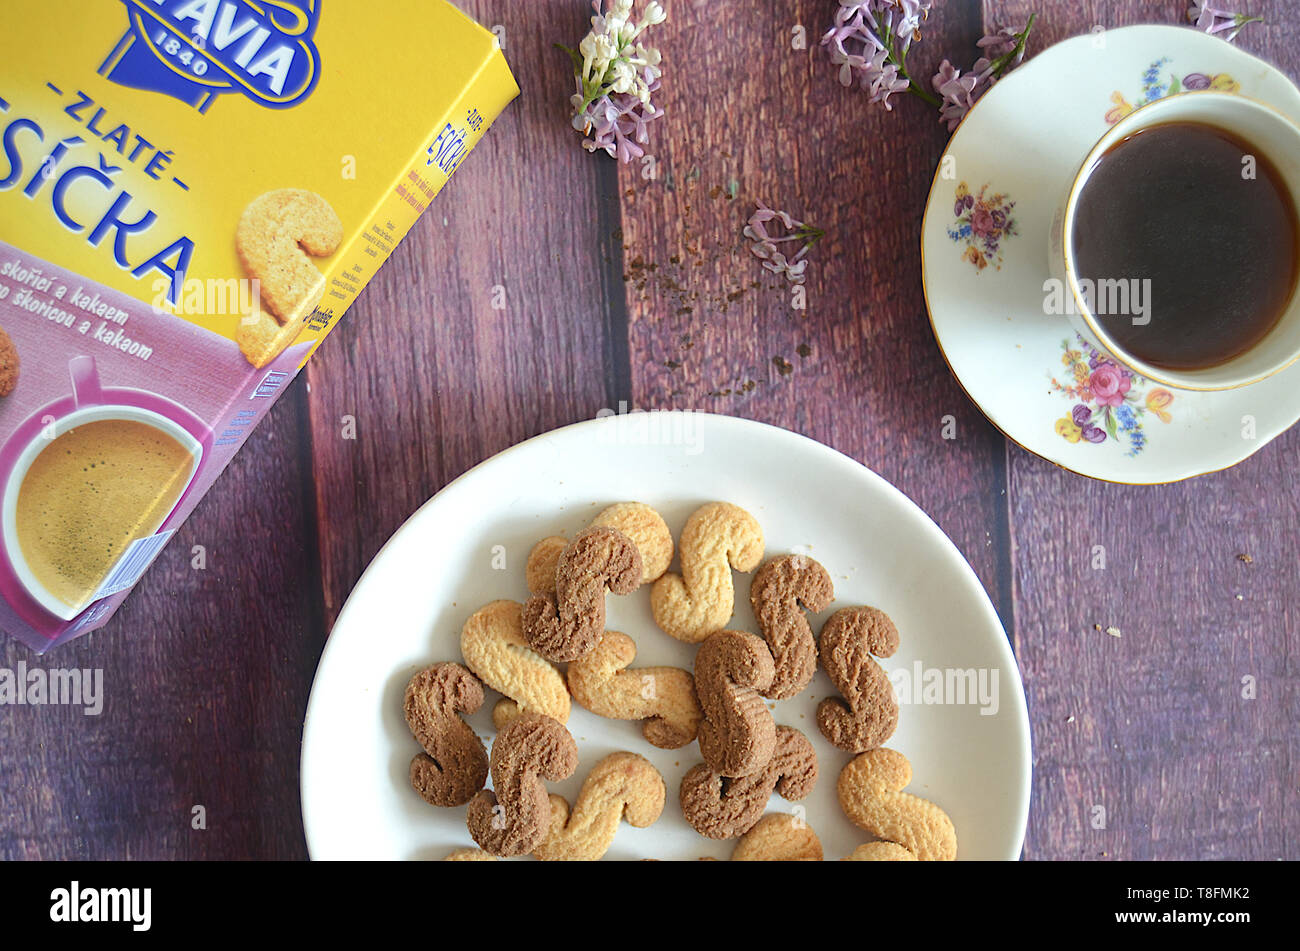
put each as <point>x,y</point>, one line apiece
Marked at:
<point>1206,224</point>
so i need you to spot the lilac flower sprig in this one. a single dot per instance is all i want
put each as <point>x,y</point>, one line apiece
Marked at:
<point>764,245</point>
<point>1213,20</point>
<point>869,42</point>
<point>617,75</point>
<point>1002,51</point>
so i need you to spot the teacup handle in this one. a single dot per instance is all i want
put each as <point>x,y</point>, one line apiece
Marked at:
<point>85,382</point>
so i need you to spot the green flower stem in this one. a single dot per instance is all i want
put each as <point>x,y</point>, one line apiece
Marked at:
<point>1003,61</point>
<point>807,235</point>
<point>914,89</point>
<point>900,61</point>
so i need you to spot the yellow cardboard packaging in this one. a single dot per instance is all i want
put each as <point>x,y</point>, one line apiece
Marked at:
<point>192,193</point>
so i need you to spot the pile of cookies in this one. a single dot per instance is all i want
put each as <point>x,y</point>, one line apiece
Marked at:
<point>722,707</point>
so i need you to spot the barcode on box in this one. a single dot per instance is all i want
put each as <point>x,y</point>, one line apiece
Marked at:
<point>270,383</point>
<point>139,555</point>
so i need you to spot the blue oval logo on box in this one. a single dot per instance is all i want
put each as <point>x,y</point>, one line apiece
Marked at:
<point>197,50</point>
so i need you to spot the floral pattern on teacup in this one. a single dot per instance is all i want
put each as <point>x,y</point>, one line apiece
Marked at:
<point>1156,86</point>
<point>1110,400</point>
<point>983,221</point>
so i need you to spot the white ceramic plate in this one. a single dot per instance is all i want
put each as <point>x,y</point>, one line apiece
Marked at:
<point>1024,141</point>
<point>408,608</point>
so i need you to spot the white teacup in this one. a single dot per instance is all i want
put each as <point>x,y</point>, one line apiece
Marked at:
<point>1277,138</point>
<point>56,428</point>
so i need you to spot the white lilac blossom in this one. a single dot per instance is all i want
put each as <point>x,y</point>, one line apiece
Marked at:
<point>763,245</point>
<point>617,77</point>
<point>957,92</point>
<point>1213,20</point>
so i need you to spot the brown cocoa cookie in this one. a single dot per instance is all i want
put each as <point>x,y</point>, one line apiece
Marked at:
<point>567,624</point>
<point>783,589</point>
<point>737,734</point>
<point>514,817</point>
<point>454,765</point>
<point>636,520</point>
<point>867,716</point>
<point>721,808</point>
<point>9,364</point>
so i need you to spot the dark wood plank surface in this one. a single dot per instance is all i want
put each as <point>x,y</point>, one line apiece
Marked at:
<point>205,680</point>
<point>858,368</point>
<point>1161,738</point>
<point>437,379</point>
<point>621,287</point>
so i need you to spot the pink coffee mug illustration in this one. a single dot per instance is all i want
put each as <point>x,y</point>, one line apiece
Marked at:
<point>30,579</point>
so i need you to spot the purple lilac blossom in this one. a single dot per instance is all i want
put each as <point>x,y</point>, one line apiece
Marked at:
<point>1212,19</point>
<point>764,245</point>
<point>856,45</point>
<point>618,124</point>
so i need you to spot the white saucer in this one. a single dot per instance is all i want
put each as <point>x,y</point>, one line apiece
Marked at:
<point>1021,145</point>
<point>467,546</point>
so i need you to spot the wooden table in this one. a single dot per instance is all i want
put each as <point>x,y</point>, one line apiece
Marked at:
<point>620,288</point>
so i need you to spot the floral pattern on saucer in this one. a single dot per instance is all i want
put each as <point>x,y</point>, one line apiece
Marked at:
<point>1111,401</point>
<point>983,221</point>
<point>1154,87</point>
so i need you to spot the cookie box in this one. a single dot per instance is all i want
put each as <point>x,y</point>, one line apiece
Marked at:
<point>192,193</point>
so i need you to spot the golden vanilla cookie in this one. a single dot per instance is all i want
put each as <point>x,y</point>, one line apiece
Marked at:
<point>783,589</point>
<point>648,531</point>
<point>870,792</point>
<point>662,696</point>
<point>851,640</point>
<point>539,572</point>
<point>621,787</point>
<point>700,601</point>
<point>261,338</point>
<point>492,643</point>
<point>879,852</point>
<point>779,837</point>
<point>737,734</point>
<point>566,624</point>
<point>514,817</point>
<point>469,855</point>
<point>276,238</point>
<point>454,765</point>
